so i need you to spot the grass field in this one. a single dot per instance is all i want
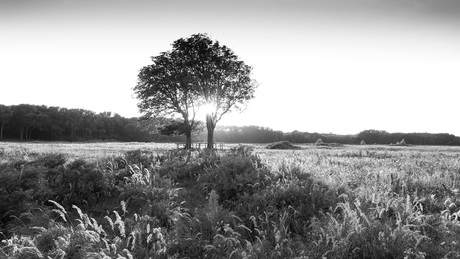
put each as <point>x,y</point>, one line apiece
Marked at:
<point>98,150</point>
<point>363,201</point>
<point>87,151</point>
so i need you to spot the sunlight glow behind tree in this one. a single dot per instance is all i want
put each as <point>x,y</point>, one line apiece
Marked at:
<point>220,78</point>
<point>197,73</point>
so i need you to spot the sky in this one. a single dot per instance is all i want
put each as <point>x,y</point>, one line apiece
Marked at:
<point>340,66</point>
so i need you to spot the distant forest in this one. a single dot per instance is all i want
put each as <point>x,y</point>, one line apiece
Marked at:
<point>32,122</point>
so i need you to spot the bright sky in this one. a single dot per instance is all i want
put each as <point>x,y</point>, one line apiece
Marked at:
<point>338,66</point>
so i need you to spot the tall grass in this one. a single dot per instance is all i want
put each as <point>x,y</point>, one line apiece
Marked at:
<point>344,202</point>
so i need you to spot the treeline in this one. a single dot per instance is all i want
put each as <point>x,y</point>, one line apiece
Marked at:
<point>383,137</point>
<point>33,122</point>
<point>255,134</point>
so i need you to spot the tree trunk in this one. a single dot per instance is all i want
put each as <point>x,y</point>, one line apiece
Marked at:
<point>210,126</point>
<point>188,140</point>
<point>30,134</point>
<point>26,133</point>
<point>21,133</point>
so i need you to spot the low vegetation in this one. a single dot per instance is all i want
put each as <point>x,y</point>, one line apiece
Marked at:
<point>347,202</point>
<point>282,145</point>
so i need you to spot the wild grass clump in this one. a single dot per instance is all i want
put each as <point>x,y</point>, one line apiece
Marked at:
<point>353,234</point>
<point>293,202</point>
<point>25,187</point>
<point>85,237</point>
<point>234,175</point>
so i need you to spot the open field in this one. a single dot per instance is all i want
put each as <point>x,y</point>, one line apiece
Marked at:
<point>364,201</point>
<point>87,151</point>
<point>99,150</point>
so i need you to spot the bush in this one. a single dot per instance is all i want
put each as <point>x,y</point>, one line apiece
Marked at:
<point>212,232</point>
<point>140,157</point>
<point>183,174</point>
<point>83,184</point>
<point>282,145</point>
<point>299,199</point>
<point>23,187</point>
<point>235,176</point>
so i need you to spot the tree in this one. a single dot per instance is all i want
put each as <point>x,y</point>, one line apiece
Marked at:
<point>374,136</point>
<point>166,89</point>
<point>222,81</point>
<point>21,114</point>
<point>177,127</point>
<point>5,116</point>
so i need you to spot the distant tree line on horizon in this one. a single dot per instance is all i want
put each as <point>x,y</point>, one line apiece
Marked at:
<point>33,122</point>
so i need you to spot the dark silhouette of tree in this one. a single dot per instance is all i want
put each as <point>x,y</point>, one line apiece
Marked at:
<point>177,127</point>
<point>220,79</point>
<point>55,123</point>
<point>374,136</point>
<point>5,116</point>
<point>21,114</point>
<point>166,88</point>
<point>36,119</point>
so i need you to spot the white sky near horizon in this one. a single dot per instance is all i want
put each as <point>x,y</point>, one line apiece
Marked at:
<point>339,66</point>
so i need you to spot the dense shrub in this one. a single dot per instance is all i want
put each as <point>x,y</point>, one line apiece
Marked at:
<point>154,202</point>
<point>235,176</point>
<point>183,174</point>
<point>296,201</point>
<point>139,157</point>
<point>83,184</point>
<point>282,145</point>
<point>213,232</point>
<point>24,186</point>
<point>27,185</point>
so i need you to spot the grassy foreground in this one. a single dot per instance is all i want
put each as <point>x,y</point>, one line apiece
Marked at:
<point>143,202</point>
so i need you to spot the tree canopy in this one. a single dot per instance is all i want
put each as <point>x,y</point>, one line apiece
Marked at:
<point>197,72</point>
<point>221,80</point>
<point>166,89</point>
<point>39,122</point>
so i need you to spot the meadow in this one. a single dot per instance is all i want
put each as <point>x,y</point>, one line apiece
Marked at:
<point>144,200</point>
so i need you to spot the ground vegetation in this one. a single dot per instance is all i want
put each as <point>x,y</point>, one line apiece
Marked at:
<point>345,202</point>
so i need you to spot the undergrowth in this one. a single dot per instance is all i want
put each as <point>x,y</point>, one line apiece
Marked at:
<point>234,204</point>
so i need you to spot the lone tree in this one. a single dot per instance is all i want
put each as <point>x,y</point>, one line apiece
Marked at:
<point>197,72</point>
<point>165,89</point>
<point>220,79</point>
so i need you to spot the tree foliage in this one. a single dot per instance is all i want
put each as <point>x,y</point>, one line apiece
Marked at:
<point>383,137</point>
<point>165,89</point>
<point>33,122</point>
<point>197,72</point>
<point>178,127</point>
<point>222,81</point>
<point>5,117</point>
<point>219,76</point>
